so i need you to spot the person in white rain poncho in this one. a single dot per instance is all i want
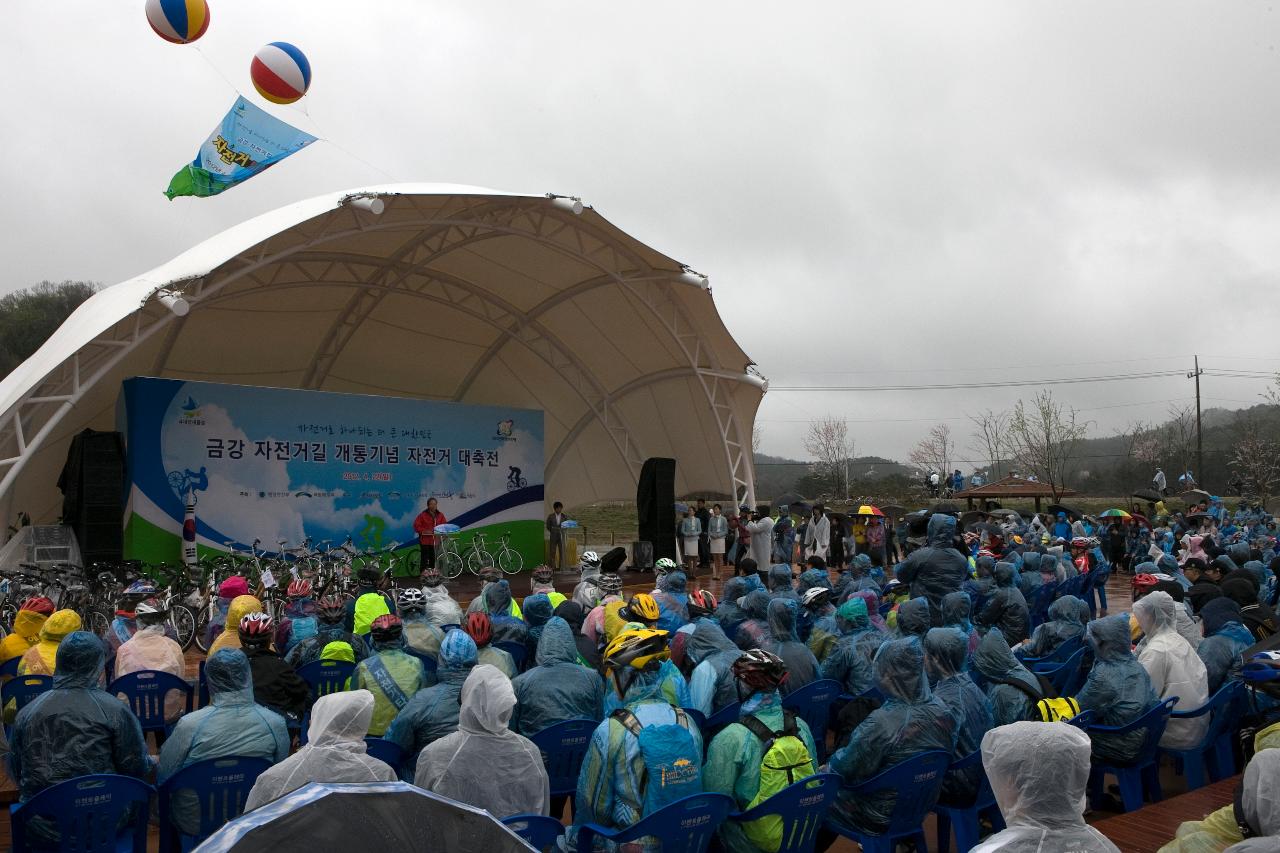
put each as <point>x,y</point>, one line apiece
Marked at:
<point>1038,772</point>
<point>1260,801</point>
<point>334,752</point>
<point>483,763</point>
<point>1174,667</point>
<point>440,608</point>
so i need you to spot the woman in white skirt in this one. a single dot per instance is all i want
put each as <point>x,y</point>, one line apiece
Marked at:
<point>690,532</point>
<point>717,531</point>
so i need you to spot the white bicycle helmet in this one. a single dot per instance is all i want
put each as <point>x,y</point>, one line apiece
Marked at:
<point>150,607</point>
<point>590,560</point>
<point>411,598</point>
<point>663,566</point>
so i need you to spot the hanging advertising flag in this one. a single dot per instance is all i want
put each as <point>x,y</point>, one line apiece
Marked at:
<point>247,142</point>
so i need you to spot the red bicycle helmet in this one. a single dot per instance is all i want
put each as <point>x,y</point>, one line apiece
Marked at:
<point>386,628</point>
<point>300,588</point>
<point>256,629</point>
<point>701,603</point>
<point>479,627</point>
<point>38,604</point>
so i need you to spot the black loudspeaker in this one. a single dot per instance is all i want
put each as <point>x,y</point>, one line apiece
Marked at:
<point>93,496</point>
<point>655,506</point>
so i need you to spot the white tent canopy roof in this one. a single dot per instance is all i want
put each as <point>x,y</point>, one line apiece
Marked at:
<point>450,293</point>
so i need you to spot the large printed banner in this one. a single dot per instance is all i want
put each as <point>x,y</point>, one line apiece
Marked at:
<point>275,464</point>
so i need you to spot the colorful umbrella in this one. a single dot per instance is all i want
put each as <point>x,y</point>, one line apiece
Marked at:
<point>867,509</point>
<point>1115,513</point>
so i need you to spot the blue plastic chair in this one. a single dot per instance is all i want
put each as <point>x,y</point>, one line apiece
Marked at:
<point>1061,654</point>
<point>812,703</point>
<point>685,826</point>
<point>9,668</point>
<point>220,785</point>
<point>726,716</point>
<point>916,782</point>
<point>1142,774</point>
<point>538,831</point>
<point>518,652</point>
<point>1081,721</point>
<point>1204,756</point>
<point>327,676</point>
<point>22,689</point>
<point>564,748</point>
<point>964,820</point>
<point>802,807</point>
<point>386,751</point>
<point>145,692</point>
<point>1039,604</point>
<point>1062,675</point>
<point>89,812</point>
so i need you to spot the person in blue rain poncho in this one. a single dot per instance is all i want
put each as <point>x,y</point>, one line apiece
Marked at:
<point>432,712</point>
<point>1067,618</point>
<point>537,611</point>
<point>672,685</point>
<point>610,787</point>
<point>910,721</point>
<point>735,756</point>
<point>1009,703</point>
<point>74,729</point>
<point>330,613</point>
<point>712,685</point>
<point>557,688</point>
<point>979,587</point>
<point>1225,638</point>
<point>936,569</point>
<point>728,612</point>
<point>849,661</point>
<point>1006,608</point>
<point>780,585</point>
<point>1117,690</point>
<point>944,661</point>
<point>673,601</point>
<point>957,612</point>
<point>818,616</point>
<point>914,618</point>
<point>232,724</point>
<point>507,627</point>
<point>802,666</point>
<point>753,633</point>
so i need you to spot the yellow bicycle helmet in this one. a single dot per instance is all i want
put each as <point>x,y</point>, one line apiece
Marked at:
<point>638,649</point>
<point>642,608</point>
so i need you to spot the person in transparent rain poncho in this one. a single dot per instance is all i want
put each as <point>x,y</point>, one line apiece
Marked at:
<point>1174,667</point>
<point>484,763</point>
<point>335,750</point>
<point>1038,772</point>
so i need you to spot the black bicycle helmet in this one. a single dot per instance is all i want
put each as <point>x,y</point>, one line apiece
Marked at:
<point>431,576</point>
<point>331,610</point>
<point>759,671</point>
<point>386,628</point>
<point>542,574</point>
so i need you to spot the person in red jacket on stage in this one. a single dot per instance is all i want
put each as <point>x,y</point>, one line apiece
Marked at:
<point>425,526</point>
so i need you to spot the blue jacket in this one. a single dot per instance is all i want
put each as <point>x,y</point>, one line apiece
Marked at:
<point>557,689</point>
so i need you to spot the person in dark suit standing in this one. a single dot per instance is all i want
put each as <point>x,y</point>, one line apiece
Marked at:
<point>704,543</point>
<point>555,531</point>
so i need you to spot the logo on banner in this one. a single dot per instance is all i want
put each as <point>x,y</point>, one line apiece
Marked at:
<point>505,429</point>
<point>189,414</point>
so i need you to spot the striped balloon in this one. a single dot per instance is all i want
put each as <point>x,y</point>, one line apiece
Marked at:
<point>280,72</point>
<point>178,21</point>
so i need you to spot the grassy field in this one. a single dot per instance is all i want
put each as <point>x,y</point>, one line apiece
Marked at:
<point>615,522</point>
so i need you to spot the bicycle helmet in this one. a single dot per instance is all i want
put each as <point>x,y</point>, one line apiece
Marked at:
<point>1082,542</point>
<point>701,603</point>
<point>759,671</point>
<point>412,599</point>
<point>1143,583</point>
<point>150,607</point>
<point>431,576</point>
<point>663,566</point>
<point>331,610</point>
<point>590,561</point>
<point>641,608</point>
<point>479,627</point>
<point>38,604</point>
<point>644,650</point>
<point>386,628</point>
<point>542,574</point>
<point>609,584</point>
<point>490,574</point>
<point>256,630</point>
<point>300,588</point>
<point>142,588</point>
<point>817,597</point>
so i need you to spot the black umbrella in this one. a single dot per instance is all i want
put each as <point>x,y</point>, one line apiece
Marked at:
<point>1150,495</point>
<point>790,499</point>
<point>947,509</point>
<point>1194,496</point>
<point>1073,514</point>
<point>971,517</point>
<point>372,816</point>
<point>893,510</point>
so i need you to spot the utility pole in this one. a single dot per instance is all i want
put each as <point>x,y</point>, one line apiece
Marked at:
<point>1195,374</point>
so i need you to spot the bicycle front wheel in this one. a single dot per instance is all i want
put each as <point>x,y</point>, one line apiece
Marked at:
<point>183,622</point>
<point>449,564</point>
<point>201,631</point>
<point>510,561</point>
<point>478,560</point>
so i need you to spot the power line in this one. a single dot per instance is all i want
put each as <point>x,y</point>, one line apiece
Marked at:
<point>959,386</point>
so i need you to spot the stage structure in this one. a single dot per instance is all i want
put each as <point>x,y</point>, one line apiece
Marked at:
<point>428,292</point>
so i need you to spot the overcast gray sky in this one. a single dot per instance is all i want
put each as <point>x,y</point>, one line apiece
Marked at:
<point>882,192</point>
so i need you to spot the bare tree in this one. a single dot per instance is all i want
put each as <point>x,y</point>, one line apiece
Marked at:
<point>989,438</point>
<point>1043,437</point>
<point>829,444</point>
<point>935,450</point>
<point>757,437</point>
<point>1255,457</point>
<point>1180,435</point>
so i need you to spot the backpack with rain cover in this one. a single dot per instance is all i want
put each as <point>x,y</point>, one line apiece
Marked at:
<point>671,758</point>
<point>301,628</point>
<point>785,761</point>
